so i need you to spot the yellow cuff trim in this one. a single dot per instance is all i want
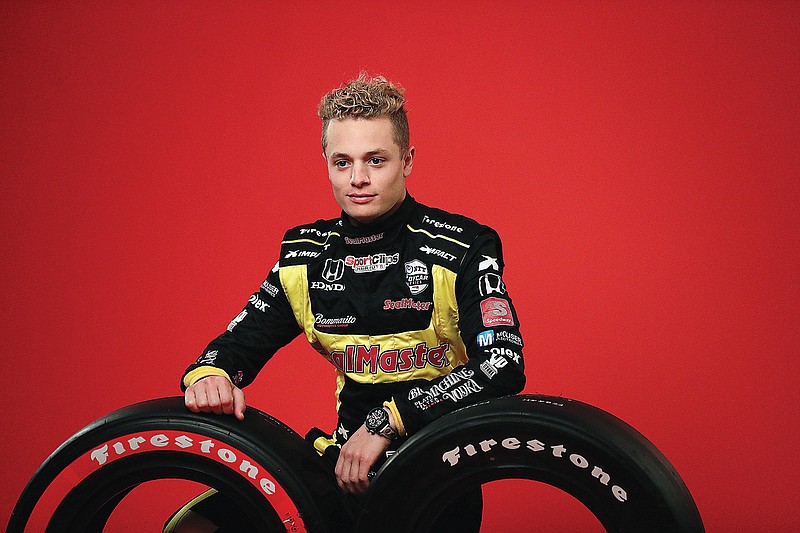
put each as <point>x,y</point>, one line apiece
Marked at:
<point>401,429</point>
<point>203,372</point>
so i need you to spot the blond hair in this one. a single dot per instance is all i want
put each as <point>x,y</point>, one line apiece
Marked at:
<point>366,97</point>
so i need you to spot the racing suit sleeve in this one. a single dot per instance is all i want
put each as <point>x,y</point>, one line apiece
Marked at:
<point>490,331</point>
<point>264,325</point>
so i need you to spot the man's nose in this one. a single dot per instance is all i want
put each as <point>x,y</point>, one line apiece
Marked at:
<point>360,175</point>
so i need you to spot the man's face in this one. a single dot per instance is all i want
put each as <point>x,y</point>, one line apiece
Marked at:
<point>366,167</point>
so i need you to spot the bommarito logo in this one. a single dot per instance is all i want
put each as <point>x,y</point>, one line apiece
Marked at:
<point>559,452</point>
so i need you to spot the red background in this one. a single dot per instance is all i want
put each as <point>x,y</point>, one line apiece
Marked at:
<point>640,161</point>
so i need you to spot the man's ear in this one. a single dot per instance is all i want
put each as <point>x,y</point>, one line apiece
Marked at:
<point>408,161</point>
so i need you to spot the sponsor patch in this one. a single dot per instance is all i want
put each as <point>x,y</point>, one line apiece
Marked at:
<point>270,289</point>
<point>509,337</point>
<point>496,312</point>
<point>488,263</point>
<point>454,387</point>
<point>338,322</point>
<point>437,224</point>
<point>438,253</point>
<point>333,271</point>
<point>258,303</point>
<point>235,321</point>
<point>486,338</point>
<point>491,283</point>
<point>363,240</point>
<point>406,303</point>
<point>361,359</point>
<point>300,253</point>
<point>371,263</point>
<point>208,358</point>
<point>322,286</point>
<point>416,276</point>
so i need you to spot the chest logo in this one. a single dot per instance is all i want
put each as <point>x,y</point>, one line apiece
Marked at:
<point>416,276</point>
<point>333,271</point>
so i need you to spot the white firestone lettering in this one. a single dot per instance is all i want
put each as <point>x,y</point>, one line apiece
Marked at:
<point>100,455</point>
<point>453,457</point>
<point>535,445</point>
<point>159,440</point>
<point>226,455</point>
<point>558,451</point>
<point>486,445</point>
<point>267,485</point>
<point>249,468</point>
<point>579,460</point>
<point>437,224</point>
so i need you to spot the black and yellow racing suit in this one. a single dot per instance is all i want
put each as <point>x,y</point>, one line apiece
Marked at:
<point>412,312</point>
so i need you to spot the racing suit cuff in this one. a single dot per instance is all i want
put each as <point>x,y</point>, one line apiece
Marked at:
<point>203,372</point>
<point>398,421</point>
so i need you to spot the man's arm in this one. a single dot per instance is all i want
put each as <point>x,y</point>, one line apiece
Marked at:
<point>489,328</point>
<point>212,383</point>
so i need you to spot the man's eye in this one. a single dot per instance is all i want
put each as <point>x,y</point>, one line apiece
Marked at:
<point>376,160</point>
<point>340,163</point>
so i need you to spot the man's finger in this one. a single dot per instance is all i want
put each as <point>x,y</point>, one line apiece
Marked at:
<point>239,404</point>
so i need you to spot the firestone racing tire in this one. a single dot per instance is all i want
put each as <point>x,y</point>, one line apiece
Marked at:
<point>600,460</point>
<point>269,469</point>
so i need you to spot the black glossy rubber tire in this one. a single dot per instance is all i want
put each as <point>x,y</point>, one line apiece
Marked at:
<point>275,475</point>
<point>600,460</point>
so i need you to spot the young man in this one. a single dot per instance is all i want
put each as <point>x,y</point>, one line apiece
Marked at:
<point>406,301</point>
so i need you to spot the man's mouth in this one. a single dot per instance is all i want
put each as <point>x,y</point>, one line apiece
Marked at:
<point>361,198</point>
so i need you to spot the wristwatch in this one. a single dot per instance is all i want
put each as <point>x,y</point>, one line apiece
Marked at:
<point>377,422</point>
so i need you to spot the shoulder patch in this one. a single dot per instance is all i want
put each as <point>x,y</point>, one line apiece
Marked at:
<point>306,242</point>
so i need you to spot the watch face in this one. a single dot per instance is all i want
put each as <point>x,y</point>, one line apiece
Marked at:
<point>375,419</point>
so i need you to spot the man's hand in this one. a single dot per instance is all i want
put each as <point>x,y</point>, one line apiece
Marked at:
<point>358,455</point>
<point>215,394</point>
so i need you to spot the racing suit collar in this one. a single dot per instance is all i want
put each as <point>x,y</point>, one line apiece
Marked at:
<point>387,226</point>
